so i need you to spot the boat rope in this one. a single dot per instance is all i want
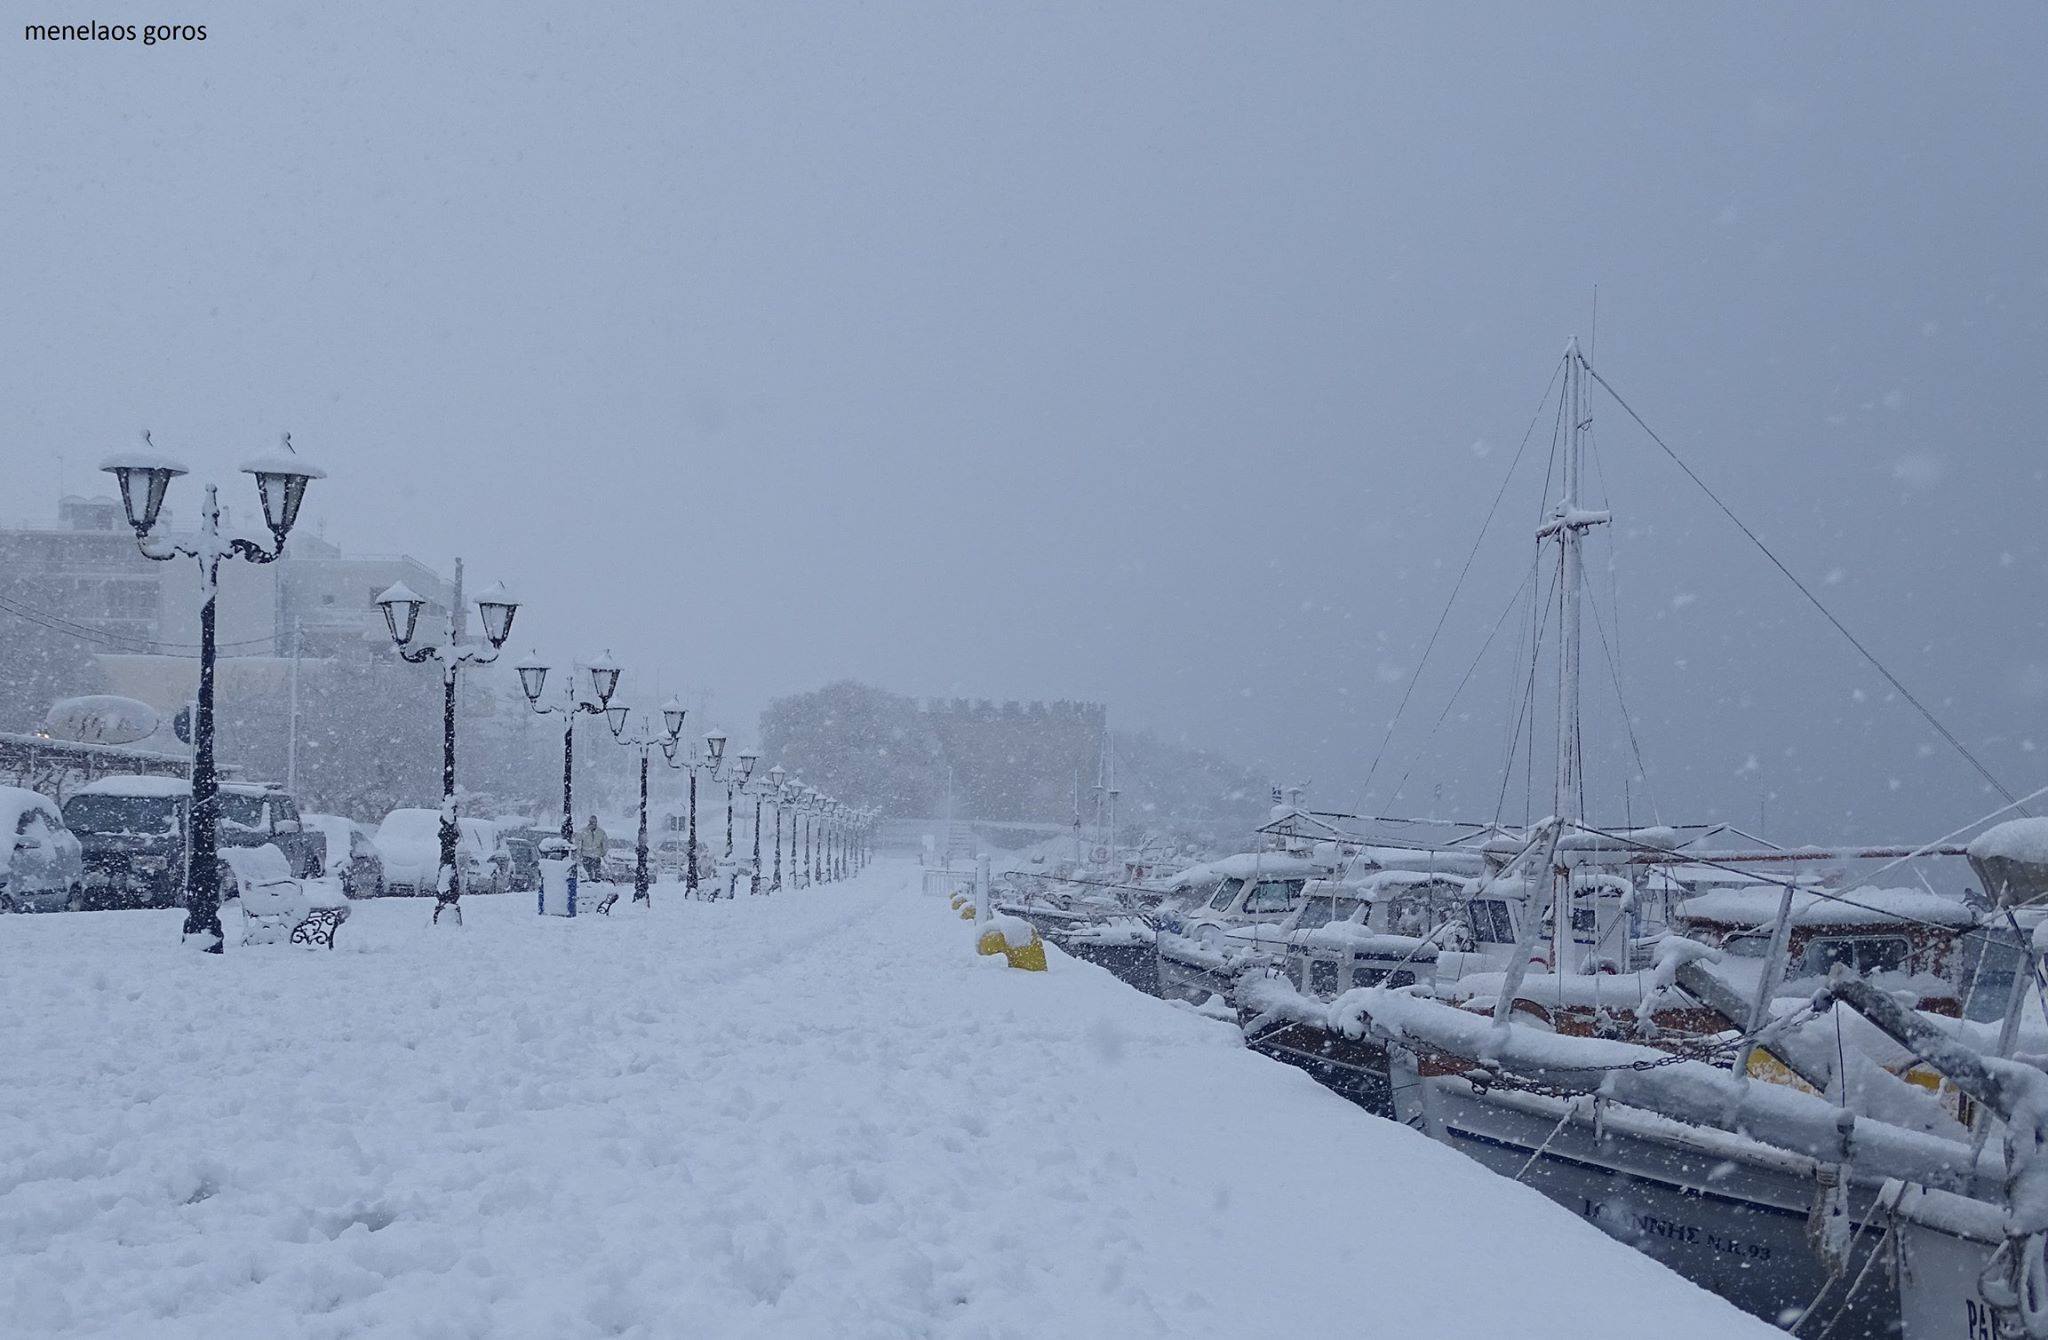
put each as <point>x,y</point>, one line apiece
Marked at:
<point>1423,749</point>
<point>1571,1108</point>
<point>1943,731</point>
<point>1628,719</point>
<point>1525,715</point>
<point>1784,882</point>
<point>1841,1309</point>
<point>1459,584</point>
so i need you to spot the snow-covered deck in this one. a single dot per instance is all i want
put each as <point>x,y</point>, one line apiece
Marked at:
<point>812,1114</point>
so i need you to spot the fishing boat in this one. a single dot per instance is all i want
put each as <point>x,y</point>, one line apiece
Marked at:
<point>1640,1052</point>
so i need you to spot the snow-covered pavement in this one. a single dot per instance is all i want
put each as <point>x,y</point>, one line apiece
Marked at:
<point>816,1114</point>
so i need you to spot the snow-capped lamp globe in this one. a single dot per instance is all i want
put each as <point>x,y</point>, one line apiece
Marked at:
<point>672,714</point>
<point>401,606</point>
<point>533,677</point>
<point>281,479</point>
<point>604,679</point>
<point>615,717</point>
<point>714,749</point>
<point>775,777</point>
<point>497,607</point>
<point>145,477</point>
<point>746,768</point>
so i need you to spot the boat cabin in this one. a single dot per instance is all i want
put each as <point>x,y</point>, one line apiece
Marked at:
<point>1905,938</point>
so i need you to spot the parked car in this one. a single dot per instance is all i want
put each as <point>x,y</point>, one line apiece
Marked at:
<point>522,846</point>
<point>497,859</point>
<point>40,869</point>
<point>409,840</point>
<point>352,855</point>
<point>621,859</point>
<point>133,830</point>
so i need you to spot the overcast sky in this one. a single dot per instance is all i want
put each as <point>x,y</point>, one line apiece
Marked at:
<point>1162,354</point>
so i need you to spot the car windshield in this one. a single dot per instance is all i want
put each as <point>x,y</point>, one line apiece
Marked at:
<point>121,814</point>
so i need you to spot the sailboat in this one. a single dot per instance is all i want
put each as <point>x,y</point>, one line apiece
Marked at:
<point>1646,1081</point>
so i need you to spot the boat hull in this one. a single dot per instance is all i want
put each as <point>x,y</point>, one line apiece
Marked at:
<point>1352,1068</point>
<point>1724,1212</point>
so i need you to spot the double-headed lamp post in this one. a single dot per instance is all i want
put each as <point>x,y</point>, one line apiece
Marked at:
<point>672,713</point>
<point>144,477</point>
<point>838,840</point>
<point>604,682</point>
<point>778,792</point>
<point>758,788</point>
<point>736,776</point>
<point>807,808</point>
<point>401,607</point>
<point>714,749</point>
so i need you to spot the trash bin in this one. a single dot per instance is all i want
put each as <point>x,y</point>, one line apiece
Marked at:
<point>557,878</point>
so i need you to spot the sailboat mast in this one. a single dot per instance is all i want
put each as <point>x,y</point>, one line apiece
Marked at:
<point>1568,524</point>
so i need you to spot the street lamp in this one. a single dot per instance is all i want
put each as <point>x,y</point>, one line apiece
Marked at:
<point>691,764</point>
<point>760,789</point>
<point>401,608</point>
<point>145,477</point>
<point>778,791</point>
<point>672,726</point>
<point>835,837</point>
<point>738,774</point>
<point>604,682</point>
<point>806,804</point>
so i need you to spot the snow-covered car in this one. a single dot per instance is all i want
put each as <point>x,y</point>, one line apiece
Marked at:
<point>40,870</point>
<point>521,841</point>
<point>409,840</point>
<point>133,829</point>
<point>497,860</point>
<point>352,855</point>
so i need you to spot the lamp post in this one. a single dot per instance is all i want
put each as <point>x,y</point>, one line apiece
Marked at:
<point>144,477</point>
<point>604,682</point>
<point>824,838</point>
<point>757,789</point>
<point>778,790</point>
<point>838,832</point>
<point>807,806</point>
<point>714,750</point>
<point>672,714</point>
<point>738,775</point>
<point>401,609</point>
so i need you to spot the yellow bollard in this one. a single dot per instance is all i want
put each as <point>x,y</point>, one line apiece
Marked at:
<point>1028,958</point>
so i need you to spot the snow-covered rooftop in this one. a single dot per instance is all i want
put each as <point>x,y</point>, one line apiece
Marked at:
<point>136,784</point>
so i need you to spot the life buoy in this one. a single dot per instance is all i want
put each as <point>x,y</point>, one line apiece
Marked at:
<point>1101,854</point>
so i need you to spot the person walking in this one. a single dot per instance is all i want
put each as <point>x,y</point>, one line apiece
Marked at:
<point>590,846</point>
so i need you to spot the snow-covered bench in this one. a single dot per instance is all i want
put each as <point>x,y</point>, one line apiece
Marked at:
<point>276,907</point>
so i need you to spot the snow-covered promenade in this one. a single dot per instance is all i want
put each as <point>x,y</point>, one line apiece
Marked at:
<point>815,1114</point>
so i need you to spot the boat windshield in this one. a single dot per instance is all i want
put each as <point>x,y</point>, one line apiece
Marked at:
<point>1862,954</point>
<point>1226,894</point>
<point>1992,960</point>
<point>1317,912</point>
<point>1273,895</point>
